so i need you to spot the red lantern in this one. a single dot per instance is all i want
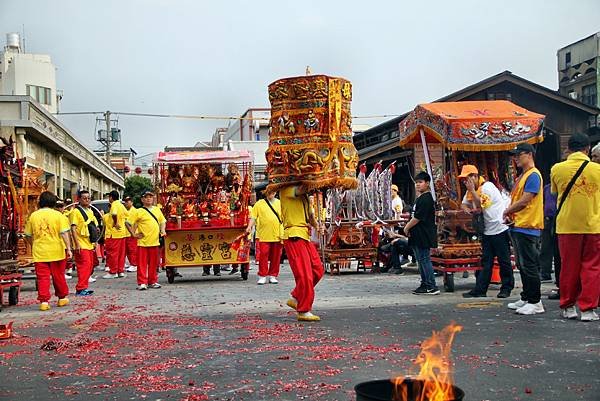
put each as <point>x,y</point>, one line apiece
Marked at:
<point>138,170</point>
<point>126,169</point>
<point>150,171</point>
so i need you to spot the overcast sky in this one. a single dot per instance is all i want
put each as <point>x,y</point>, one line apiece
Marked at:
<point>218,57</point>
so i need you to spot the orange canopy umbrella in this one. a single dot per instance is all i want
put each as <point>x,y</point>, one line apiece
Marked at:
<point>472,125</point>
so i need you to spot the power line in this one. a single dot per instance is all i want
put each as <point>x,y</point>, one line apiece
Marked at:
<point>198,117</point>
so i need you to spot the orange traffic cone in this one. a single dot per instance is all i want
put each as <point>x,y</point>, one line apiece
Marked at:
<point>496,273</point>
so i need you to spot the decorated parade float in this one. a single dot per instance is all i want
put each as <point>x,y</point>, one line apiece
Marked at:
<point>11,222</point>
<point>449,135</point>
<point>354,219</point>
<point>28,193</point>
<point>204,197</point>
<point>311,145</point>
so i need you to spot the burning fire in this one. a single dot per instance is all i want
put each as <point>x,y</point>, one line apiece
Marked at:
<point>435,369</point>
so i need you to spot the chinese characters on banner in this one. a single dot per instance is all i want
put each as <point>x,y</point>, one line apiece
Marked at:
<point>196,248</point>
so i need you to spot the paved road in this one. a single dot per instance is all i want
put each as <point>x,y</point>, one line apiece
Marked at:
<point>226,339</point>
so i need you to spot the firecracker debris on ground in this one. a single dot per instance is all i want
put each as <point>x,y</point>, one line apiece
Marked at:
<point>227,339</point>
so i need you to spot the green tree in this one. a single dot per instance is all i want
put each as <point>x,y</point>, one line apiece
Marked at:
<point>135,187</point>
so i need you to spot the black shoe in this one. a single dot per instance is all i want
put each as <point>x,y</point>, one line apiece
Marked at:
<point>217,274</point>
<point>555,294</point>
<point>396,270</point>
<point>473,294</point>
<point>503,294</point>
<point>420,290</point>
<point>206,273</point>
<point>426,291</point>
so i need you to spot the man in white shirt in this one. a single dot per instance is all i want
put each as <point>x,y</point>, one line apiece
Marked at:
<point>483,197</point>
<point>396,202</point>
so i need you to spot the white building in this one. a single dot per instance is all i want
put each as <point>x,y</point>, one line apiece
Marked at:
<point>28,99</point>
<point>28,74</point>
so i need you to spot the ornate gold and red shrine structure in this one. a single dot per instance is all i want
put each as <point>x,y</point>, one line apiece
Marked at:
<point>450,135</point>
<point>11,223</point>
<point>310,140</point>
<point>29,194</point>
<point>204,197</point>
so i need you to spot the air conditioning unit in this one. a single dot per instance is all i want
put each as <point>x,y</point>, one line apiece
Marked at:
<point>573,95</point>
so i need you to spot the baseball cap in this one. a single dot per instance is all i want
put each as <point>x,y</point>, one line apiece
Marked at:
<point>522,148</point>
<point>578,141</point>
<point>395,187</point>
<point>127,198</point>
<point>146,193</point>
<point>467,170</point>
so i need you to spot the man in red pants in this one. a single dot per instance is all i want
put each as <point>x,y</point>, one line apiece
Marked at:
<point>266,216</point>
<point>130,241</point>
<point>301,252</point>
<point>578,230</point>
<point>115,240</point>
<point>147,224</point>
<point>80,218</point>
<point>47,231</point>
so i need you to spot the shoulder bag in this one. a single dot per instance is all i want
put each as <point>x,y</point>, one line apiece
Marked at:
<point>161,239</point>
<point>568,189</point>
<point>92,228</point>
<point>271,207</point>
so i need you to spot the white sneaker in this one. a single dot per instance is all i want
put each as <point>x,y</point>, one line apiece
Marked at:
<point>68,277</point>
<point>261,280</point>
<point>131,269</point>
<point>69,271</point>
<point>107,269</point>
<point>273,280</point>
<point>589,316</point>
<point>155,285</point>
<point>91,279</point>
<point>531,309</point>
<point>107,276</point>
<point>516,305</point>
<point>142,287</point>
<point>121,275</point>
<point>569,313</point>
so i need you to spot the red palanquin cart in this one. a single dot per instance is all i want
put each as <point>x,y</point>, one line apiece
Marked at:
<point>204,197</point>
<point>450,135</point>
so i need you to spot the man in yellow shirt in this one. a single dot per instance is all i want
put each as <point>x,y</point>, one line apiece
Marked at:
<point>47,231</point>
<point>526,212</point>
<point>301,252</point>
<point>115,244</point>
<point>578,230</point>
<point>83,245</point>
<point>130,241</point>
<point>147,224</point>
<point>266,216</point>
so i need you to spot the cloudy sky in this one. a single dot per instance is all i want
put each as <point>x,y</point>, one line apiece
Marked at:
<point>216,58</point>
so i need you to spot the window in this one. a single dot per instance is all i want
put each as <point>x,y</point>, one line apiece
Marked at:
<point>589,95</point>
<point>568,59</point>
<point>40,93</point>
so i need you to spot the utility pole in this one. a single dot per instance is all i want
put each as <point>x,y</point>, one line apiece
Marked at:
<point>108,136</point>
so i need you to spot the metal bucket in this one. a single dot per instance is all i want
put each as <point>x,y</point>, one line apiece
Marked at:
<point>382,390</point>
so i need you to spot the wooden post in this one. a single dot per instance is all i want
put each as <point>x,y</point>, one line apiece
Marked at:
<point>428,163</point>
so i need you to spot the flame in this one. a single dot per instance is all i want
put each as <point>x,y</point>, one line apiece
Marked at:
<point>435,368</point>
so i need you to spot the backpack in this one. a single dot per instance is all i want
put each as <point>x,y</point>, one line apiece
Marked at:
<point>92,228</point>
